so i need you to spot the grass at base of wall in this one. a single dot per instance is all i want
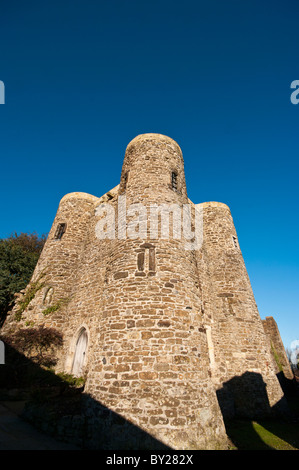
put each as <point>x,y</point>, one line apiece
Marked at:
<point>263,435</point>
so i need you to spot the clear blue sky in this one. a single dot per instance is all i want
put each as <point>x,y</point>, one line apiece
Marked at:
<point>84,77</point>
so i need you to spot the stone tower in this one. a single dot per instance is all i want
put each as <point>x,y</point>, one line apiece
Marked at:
<point>153,348</point>
<point>169,338</point>
<point>241,363</point>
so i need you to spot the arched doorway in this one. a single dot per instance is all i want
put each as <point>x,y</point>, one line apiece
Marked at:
<point>80,353</point>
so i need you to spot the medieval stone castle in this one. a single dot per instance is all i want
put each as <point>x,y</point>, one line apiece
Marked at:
<point>168,337</point>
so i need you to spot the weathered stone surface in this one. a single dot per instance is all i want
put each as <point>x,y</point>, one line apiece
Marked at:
<point>280,360</point>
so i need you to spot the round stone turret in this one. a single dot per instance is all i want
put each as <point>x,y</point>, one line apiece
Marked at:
<point>153,168</point>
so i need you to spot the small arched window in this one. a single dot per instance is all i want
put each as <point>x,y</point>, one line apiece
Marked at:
<point>80,353</point>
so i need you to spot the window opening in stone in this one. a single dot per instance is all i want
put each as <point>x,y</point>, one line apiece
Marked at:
<point>174,181</point>
<point>80,353</point>
<point>48,295</point>
<point>140,261</point>
<point>60,230</point>
<point>235,242</point>
<point>146,259</point>
<point>151,259</point>
<point>126,176</point>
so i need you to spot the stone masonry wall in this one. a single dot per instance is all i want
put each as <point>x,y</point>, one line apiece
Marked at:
<point>280,359</point>
<point>152,365</point>
<point>168,330</point>
<point>242,366</point>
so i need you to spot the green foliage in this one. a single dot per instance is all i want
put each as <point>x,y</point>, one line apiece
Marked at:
<point>29,295</point>
<point>18,257</point>
<point>271,434</point>
<point>55,307</point>
<point>71,380</point>
<point>276,357</point>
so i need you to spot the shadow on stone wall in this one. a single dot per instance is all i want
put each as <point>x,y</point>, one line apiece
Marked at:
<point>244,404</point>
<point>246,396</point>
<point>93,427</point>
<point>65,412</point>
<point>289,387</point>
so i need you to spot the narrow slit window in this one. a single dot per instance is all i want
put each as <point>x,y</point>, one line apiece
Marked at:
<point>235,242</point>
<point>60,230</point>
<point>140,261</point>
<point>174,181</point>
<point>125,181</point>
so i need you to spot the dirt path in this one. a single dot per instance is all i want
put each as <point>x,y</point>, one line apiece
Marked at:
<point>16,434</point>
